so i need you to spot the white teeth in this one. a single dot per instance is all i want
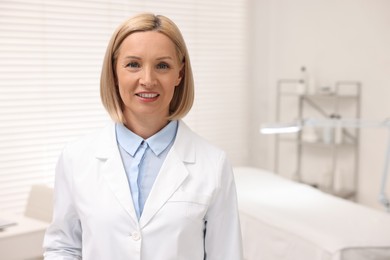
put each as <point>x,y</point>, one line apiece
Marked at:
<point>147,95</point>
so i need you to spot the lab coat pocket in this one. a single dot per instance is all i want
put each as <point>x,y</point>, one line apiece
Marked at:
<point>190,205</point>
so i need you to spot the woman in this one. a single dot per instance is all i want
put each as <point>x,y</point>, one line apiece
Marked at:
<point>145,187</point>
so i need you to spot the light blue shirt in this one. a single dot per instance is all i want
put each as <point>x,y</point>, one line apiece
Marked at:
<point>142,159</point>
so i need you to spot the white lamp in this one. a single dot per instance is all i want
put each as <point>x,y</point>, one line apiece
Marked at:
<point>296,126</point>
<point>281,128</point>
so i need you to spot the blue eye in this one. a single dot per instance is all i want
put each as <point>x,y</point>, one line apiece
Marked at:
<point>162,66</point>
<point>133,64</point>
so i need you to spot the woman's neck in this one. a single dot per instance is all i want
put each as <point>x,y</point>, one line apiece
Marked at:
<point>145,126</point>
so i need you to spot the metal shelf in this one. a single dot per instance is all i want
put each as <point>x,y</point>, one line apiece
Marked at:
<point>335,103</point>
<point>331,95</point>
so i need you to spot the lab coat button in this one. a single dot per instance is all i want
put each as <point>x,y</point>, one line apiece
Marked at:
<point>136,236</point>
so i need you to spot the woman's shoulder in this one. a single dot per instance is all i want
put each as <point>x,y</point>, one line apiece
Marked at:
<point>200,143</point>
<point>91,141</point>
<point>208,160</point>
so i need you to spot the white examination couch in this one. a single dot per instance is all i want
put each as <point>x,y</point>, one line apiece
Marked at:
<point>282,219</point>
<point>23,240</point>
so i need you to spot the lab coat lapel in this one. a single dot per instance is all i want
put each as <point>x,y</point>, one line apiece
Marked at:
<point>113,170</point>
<point>172,174</point>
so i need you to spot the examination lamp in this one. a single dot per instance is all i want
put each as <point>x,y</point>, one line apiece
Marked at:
<point>296,126</point>
<point>281,128</point>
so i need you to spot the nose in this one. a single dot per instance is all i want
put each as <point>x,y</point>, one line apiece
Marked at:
<point>148,78</point>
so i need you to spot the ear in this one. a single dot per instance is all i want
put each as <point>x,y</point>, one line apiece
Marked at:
<point>181,75</point>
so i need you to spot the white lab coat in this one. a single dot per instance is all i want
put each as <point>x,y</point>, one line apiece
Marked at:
<point>94,217</point>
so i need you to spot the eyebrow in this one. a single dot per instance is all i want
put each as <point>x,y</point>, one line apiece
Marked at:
<point>165,57</point>
<point>132,57</point>
<point>139,58</point>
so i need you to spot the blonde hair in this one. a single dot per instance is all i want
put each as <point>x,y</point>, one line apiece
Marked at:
<point>183,96</point>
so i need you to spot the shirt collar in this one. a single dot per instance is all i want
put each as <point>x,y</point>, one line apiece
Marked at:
<point>130,142</point>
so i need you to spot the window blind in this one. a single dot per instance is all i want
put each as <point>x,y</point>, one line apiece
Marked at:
<point>51,53</point>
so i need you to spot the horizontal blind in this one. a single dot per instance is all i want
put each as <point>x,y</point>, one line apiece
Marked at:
<point>51,53</point>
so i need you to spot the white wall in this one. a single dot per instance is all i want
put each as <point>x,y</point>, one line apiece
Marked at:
<point>336,40</point>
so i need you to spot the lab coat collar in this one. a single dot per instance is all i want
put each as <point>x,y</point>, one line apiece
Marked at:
<point>112,169</point>
<point>183,144</point>
<point>172,173</point>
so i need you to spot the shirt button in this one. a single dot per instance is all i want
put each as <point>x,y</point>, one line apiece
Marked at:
<point>136,236</point>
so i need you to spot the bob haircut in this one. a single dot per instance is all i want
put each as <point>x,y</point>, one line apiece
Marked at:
<point>183,96</point>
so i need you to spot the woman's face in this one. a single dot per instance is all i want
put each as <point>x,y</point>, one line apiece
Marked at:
<point>147,71</point>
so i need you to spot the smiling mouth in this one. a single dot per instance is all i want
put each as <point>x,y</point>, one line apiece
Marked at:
<point>147,95</point>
